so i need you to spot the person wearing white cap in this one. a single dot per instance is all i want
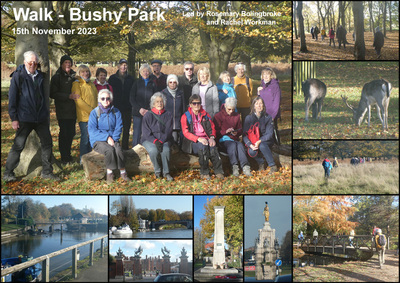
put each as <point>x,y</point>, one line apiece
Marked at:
<point>175,105</point>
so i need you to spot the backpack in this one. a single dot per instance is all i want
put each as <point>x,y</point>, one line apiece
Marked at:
<point>381,240</point>
<point>247,82</point>
<point>189,117</point>
<point>20,82</point>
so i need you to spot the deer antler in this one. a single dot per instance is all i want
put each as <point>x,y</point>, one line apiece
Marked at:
<point>344,98</point>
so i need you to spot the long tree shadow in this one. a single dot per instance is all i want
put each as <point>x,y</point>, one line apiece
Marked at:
<point>352,274</point>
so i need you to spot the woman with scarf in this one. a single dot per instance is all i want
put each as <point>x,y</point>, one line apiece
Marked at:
<point>105,128</point>
<point>101,80</point>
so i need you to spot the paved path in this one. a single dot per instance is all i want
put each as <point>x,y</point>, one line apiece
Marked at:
<point>96,273</point>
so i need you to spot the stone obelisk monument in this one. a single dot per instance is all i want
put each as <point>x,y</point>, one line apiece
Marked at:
<point>265,252</point>
<point>219,249</point>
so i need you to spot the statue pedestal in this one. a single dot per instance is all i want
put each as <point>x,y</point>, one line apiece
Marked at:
<point>265,253</point>
<point>219,237</point>
<point>137,267</point>
<point>166,265</point>
<point>184,265</point>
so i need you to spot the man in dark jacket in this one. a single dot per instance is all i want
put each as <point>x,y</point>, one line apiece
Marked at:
<point>28,111</point>
<point>158,78</point>
<point>121,83</point>
<point>60,91</point>
<point>187,81</point>
<point>341,36</point>
<point>379,40</point>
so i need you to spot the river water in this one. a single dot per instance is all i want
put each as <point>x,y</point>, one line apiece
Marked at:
<point>158,234</point>
<point>39,245</point>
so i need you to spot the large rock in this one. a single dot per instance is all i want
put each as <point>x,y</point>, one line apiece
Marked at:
<point>137,160</point>
<point>30,164</point>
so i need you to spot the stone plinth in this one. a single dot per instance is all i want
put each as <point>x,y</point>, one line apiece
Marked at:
<point>166,265</point>
<point>265,253</point>
<point>137,267</point>
<point>219,248</point>
<point>184,265</point>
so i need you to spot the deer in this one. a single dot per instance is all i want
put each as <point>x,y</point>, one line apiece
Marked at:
<point>375,92</point>
<point>314,93</point>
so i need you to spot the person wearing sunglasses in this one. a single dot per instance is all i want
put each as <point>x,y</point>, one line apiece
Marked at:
<point>105,128</point>
<point>28,110</point>
<point>187,81</point>
<point>175,105</point>
<point>86,102</point>
<point>199,138</point>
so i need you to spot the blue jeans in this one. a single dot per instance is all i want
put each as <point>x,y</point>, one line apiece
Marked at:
<point>137,130</point>
<point>84,146</point>
<point>263,150</point>
<point>154,157</point>
<point>327,172</point>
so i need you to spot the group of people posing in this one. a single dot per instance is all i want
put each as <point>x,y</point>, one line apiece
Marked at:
<point>190,111</point>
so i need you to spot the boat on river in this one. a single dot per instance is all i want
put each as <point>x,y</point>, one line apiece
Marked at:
<point>124,229</point>
<point>30,274</point>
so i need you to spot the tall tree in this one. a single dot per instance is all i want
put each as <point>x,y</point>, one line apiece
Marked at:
<point>303,47</point>
<point>359,46</point>
<point>295,18</point>
<point>384,17</point>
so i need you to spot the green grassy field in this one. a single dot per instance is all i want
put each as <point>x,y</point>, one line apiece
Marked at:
<point>368,178</point>
<point>348,78</point>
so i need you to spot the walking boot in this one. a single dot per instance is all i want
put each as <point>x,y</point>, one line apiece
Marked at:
<point>246,170</point>
<point>125,177</point>
<point>273,170</point>
<point>110,178</point>
<point>235,170</point>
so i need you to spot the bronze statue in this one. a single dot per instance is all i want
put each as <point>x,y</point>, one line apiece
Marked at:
<point>266,212</point>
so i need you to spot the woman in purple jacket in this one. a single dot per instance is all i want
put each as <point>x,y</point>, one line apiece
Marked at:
<point>157,134</point>
<point>270,92</point>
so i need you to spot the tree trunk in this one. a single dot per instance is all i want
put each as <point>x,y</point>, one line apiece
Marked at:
<point>371,16</point>
<point>384,19</point>
<point>59,43</point>
<point>131,54</point>
<point>295,19</point>
<point>390,15</point>
<point>359,48</point>
<point>303,47</point>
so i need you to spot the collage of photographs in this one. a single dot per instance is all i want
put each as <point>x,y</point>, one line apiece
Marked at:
<point>200,141</point>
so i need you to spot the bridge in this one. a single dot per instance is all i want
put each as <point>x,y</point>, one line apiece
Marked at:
<point>360,247</point>
<point>157,224</point>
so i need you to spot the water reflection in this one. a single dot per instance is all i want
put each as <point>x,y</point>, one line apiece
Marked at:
<point>319,259</point>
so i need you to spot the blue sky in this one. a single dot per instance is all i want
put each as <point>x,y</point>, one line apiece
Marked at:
<point>280,216</point>
<point>177,203</point>
<point>199,202</point>
<point>152,247</point>
<point>98,203</point>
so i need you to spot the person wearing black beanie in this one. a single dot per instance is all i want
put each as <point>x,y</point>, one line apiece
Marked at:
<point>60,91</point>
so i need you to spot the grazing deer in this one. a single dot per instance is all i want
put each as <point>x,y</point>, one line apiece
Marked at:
<point>314,93</point>
<point>375,92</point>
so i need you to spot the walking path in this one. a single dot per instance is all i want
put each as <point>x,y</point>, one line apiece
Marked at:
<point>96,273</point>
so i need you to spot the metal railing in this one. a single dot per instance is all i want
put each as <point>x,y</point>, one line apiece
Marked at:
<point>45,259</point>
